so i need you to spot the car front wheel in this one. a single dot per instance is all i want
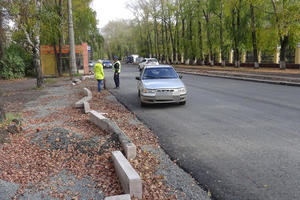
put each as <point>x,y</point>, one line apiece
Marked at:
<point>143,104</point>
<point>182,103</point>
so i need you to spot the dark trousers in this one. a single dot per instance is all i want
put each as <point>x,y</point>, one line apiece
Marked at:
<point>99,84</point>
<point>117,79</point>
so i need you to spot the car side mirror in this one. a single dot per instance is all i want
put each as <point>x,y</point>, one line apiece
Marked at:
<point>180,76</point>
<point>138,78</point>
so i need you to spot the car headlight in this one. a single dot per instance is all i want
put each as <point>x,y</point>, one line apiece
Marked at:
<point>181,90</point>
<point>148,90</point>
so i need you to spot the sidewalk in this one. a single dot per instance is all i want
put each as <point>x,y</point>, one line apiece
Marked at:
<point>276,76</point>
<point>59,154</point>
<point>55,155</point>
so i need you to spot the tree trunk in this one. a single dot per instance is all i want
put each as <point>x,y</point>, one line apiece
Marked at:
<point>37,65</point>
<point>163,43</point>
<point>177,40</point>
<point>157,53</point>
<point>167,43</point>
<point>284,43</point>
<point>60,39</point>
<point>183,52</point>
<point>235,29</point>
<point>150,44</point>
<point>221,37</point>
<point>200,42</point>
<point>283,38</point>
<point>1,36</point>
<point>2,113</point>
<point>172,40</point>
<point>254,42</point>
<point>36,48</point>
<point>209,44</point>
<point>192,52</point>
<point>71,40</point>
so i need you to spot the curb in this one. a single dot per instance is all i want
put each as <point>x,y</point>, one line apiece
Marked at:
<point>119,197</point>
<point>129,178</point>
<point>77,81</point>
<point>80,103</point>
<point>244,79</point>
<point>110,126</point>
<point>86,107</point>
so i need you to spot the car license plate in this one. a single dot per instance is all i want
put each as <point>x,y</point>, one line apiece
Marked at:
<point>164,94</point>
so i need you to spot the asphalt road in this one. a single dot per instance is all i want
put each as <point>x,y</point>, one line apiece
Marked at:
<point>239,139</point>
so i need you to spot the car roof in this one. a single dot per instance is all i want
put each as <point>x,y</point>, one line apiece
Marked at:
<point>158,66</point>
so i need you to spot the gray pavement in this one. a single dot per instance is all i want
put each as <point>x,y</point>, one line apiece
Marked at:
<point>239,139</point>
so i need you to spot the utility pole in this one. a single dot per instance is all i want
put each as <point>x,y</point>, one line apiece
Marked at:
<point>71,39</point>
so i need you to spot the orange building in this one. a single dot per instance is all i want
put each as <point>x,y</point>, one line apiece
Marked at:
<point>48,59</point>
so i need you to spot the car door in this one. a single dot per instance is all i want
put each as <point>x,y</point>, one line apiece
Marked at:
<point>139,82</point>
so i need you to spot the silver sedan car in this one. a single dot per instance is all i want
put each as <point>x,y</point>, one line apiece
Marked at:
<point>161,84</point>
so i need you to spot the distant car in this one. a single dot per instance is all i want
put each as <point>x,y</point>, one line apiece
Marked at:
<point>129,59</point>
<point>139,60</point>
<point>91,65</point>
<point>107,64</point>
<point>160,84</point>
<point>147,61</point>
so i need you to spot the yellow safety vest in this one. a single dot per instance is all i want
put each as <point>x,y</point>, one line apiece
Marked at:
<point>99,73</point>
<point>119,66</point>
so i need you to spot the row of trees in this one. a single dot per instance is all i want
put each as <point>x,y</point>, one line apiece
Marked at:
<point>207,30</point>
<point>45,22</point>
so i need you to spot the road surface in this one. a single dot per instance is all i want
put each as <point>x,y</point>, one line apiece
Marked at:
<point>239,139</point>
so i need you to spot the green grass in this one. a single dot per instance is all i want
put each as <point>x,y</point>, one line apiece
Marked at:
<point>9,118</point>
<point>50,80</point>
<point>37,88</point>
<point>77,74</point>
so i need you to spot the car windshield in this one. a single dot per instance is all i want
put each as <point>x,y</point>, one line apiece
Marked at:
<point>106,61</point>
<point>159,73</point>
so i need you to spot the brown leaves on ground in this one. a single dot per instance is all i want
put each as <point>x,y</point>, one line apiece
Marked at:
<point>145,163</point>
<point>24,162</point>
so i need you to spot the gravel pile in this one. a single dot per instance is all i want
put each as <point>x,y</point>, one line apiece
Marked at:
<point>61,139</point>
<point>7,189</point>
<point>64,186</point>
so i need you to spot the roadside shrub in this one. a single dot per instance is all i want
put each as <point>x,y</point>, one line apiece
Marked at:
<point>15,62</point>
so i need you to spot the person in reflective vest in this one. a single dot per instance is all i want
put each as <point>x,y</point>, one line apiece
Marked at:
<point>117,71</point>
<point>99,74</point>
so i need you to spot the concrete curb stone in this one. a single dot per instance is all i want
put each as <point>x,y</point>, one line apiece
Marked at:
<point>119,197</point>
<point>87,107</point>
<point>129,178</point>
<point>87,98</point>
<point>112,127</point>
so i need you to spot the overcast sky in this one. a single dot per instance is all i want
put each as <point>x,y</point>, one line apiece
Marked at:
<point>108,10</point>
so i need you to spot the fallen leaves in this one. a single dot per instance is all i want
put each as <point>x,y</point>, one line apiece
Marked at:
<point>23,162</point>
<point>145,163</point>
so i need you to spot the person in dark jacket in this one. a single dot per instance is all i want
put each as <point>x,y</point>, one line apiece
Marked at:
<point>117,71</point>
